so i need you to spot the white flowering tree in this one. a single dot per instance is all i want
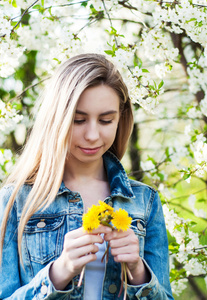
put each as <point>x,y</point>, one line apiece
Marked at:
<point>161,49</point>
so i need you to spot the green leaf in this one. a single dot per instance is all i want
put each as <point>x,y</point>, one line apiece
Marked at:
<point>161,176</point>
<point>84,4</point>
<point>56,59</point>
<point>37,6</point>
<point>14,3</point>
<point>192,19</point>
<point>13,24</point>
<point>137,61</point>
<point>93,10</point>
<point>110,52</point>
<point>152,160</point>
<point>161,84</point>
<point>114,47</point>
<point>173,249</point>
<point>201,200</point>
<point>186,176</point>
<point>17,105</point>
<point>193,138</point>
<point>145,71</point>
<point>192,223</point>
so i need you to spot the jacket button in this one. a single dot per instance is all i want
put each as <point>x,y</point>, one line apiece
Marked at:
<point>139,226</point>
<point>41,224</point>
<point>43,289</point>
<point>112,288</point>
<point>145,292</point>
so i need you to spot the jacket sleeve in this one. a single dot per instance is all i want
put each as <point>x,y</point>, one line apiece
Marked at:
<point>156,256</point>
<point>40,287</point>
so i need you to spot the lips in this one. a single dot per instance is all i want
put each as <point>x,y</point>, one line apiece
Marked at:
<point>90,151</point>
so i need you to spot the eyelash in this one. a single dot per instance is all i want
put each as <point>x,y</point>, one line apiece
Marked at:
<point>101,121</point>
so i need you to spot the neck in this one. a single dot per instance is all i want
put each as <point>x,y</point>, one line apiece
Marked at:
<point>82,172</point>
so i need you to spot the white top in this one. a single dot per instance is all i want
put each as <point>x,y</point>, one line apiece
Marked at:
<point>94,276</point>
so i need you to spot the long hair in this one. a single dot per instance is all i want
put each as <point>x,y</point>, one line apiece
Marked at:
<point>42,162</point>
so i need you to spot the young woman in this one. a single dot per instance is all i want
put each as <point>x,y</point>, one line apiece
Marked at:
<point>70,162</point>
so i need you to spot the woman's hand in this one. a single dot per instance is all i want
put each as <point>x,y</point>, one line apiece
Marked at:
<point>79,249</point>
<point>125,248</point>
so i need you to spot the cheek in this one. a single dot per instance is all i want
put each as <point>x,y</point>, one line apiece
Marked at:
<point>75,136</point>
<point>110,134</point>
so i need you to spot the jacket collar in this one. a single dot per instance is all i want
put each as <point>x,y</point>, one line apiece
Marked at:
<point>118,180</point>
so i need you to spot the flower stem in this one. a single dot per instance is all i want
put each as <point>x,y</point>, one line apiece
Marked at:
<point>106,253</point>
<point>122,280</point>
<point>129,273</point>
<point>81,277</point>
<point>125,279</point>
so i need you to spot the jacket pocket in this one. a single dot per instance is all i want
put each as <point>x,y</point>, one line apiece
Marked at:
<point>139,227</point>
<point>44,237</point>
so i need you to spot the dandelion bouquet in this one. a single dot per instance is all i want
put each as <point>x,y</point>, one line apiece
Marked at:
<point>117,220</point>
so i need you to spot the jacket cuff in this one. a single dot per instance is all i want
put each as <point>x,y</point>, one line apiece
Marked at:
<point>146,290</point>
<point>45,289</point>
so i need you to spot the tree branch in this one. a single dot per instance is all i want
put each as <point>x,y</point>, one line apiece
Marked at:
<point>51,6</point>
<point>109,18</point>
<point>178,2</point>
<point>29,87</point>
<point>26,10</point>
<point>126,4</point>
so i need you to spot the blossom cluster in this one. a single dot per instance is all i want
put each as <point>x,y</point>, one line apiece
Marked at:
<point>189,18</point>
<point>186,250</point>
<point>8,117</point>
<point>6,162</point>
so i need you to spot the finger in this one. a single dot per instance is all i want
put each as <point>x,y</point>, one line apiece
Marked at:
<point>82,251</point>
<point>128,258</point>
<point>129,249</point>
<point>77,264</point>
<point>115,234</point>
<point>75,233</point>
<point>82,241</point>
<point>125,241</point>
<point>83,260</point>
<point>102,229</point>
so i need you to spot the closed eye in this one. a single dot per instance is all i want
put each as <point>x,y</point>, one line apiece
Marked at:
<point>79,121</point>
<point>105,121</point>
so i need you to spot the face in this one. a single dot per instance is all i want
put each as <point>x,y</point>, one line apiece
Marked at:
<point>95,124</point>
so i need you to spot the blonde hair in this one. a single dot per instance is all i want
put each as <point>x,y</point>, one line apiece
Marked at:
<point>42,162</point>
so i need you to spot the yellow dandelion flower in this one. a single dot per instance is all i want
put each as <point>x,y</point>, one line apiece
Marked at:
<point>105,207</point>
<point>91,218</point>
<point>121,220</point>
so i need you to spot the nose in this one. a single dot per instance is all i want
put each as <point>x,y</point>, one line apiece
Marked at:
<point>92,132</point>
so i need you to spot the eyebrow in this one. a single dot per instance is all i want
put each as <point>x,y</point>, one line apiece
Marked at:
<point>109,112</point>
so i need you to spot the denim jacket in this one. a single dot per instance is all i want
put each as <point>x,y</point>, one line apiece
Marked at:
<point>44,235</point>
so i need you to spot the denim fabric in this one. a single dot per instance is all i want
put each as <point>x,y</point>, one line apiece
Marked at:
<point>44,235</point>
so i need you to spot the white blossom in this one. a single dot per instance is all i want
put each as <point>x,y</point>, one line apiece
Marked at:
<point>178,286</point>
<point>203,106</point>
<point>193,267</point>
<point>5,25</point>
<point>147,165</point>
<point>200,151</point>
<point>197,212</point>
<point>8,118</point>
<point>6,161</point>
<point>9,56</point>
